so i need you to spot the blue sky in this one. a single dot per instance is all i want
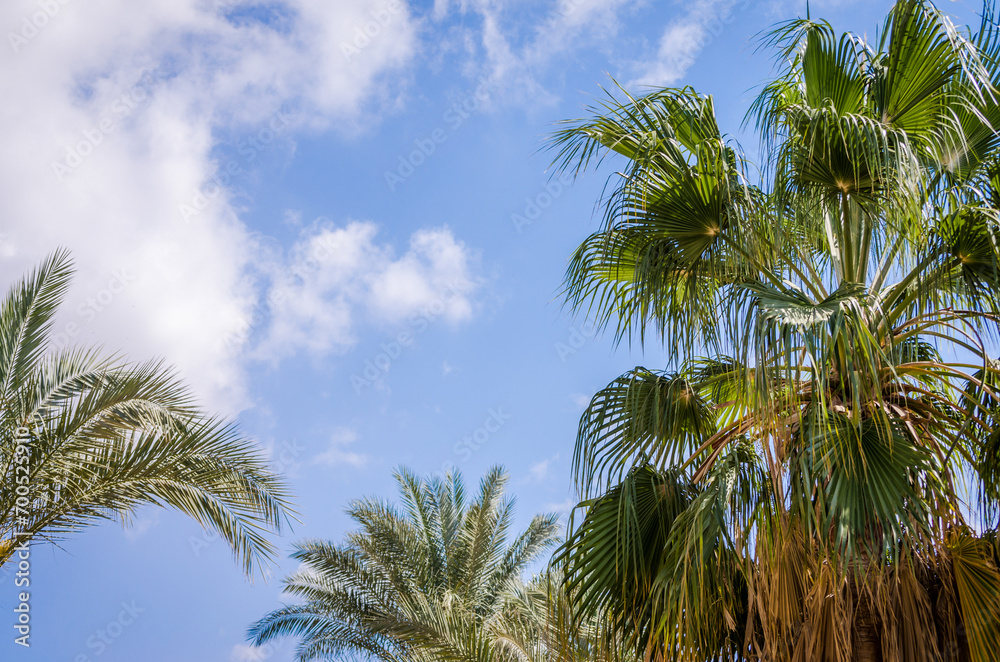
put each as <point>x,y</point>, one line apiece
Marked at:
<point>347,241</point>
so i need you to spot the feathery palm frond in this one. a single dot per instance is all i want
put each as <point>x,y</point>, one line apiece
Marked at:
<point>87,438</point>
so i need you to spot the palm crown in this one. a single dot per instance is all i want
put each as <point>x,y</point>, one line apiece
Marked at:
<point>85,438</point>
<point>817,476</point>
<point>434,580</point>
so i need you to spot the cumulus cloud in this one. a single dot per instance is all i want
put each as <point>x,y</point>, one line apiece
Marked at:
<point>338,455</point>
<point>115,110</point>
<point>111,150</point>
<point>338,278</point>
<point>435,265</point>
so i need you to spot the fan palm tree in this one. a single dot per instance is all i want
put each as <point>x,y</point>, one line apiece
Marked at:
<point>86,438</point>
<point>816,473</point>
<point>432,580</point>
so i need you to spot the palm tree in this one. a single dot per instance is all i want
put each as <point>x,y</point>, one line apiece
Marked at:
<point>540,623</point>
<point>86,438</point>
<point>816,473</point>
<point>432,580</point>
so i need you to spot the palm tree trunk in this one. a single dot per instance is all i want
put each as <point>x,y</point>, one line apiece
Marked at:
<point>867,642</point>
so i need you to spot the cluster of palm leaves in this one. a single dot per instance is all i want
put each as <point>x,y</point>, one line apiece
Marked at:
<point>85,438</point>
<point>816,476</point>
<point>437,579</point>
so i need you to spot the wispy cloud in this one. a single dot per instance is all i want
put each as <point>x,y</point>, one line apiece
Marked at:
<point>541,471</point>
<point>247,653</point>
<point>520,57</point>
<point>684,39</point>
<point>562,507</point>
<point>338,455</point>
<point>139,526</point>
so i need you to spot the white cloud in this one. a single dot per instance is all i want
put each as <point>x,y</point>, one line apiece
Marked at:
<point>562,507</point>
<point>247,653</point>
<point>336,455</point>
<point>120,109</point>
<point>119,106</point>
<point>683,40</point>
<point>571,19</point>
<point>436,268</point>
<point>516,57</point>
<point>541,471</point>
<point>312,294</point>
<point>337,278</point>
<point>139,526</point>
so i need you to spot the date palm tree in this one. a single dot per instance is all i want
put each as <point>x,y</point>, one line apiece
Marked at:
<point>86,438</point>
<point>816,473</point>
<point>437,579</point>
<point>538,623</point>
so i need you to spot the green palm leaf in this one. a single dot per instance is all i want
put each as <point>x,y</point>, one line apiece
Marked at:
<point>105,437</point>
